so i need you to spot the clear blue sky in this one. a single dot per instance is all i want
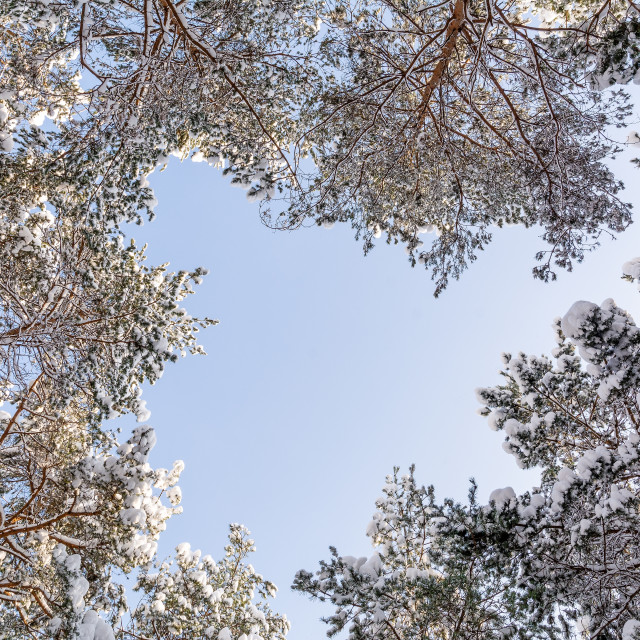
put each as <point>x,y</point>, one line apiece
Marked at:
<point>329,368</point>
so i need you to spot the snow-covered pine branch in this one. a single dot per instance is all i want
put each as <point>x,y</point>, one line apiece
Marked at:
<point>394,117</point>
<point>147,79</point>
<point>432,573</point>
<point>193,596</point>
<point>453,119</point>
<point>560,561</point>
<point>82,318</point>
<point>74,513</point>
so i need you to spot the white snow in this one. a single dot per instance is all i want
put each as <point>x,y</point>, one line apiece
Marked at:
<point>503,497</point>
<point>93,627</point>
<point>575,317</point>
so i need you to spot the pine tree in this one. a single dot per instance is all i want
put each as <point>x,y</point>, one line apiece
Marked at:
<point>457,118</point>
<point>560,561</point>
<point>396,117</point>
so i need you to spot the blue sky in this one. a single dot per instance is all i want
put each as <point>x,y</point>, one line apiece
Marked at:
<point>328,368</point>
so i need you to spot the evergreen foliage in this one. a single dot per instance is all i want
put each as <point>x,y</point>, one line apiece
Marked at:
<point>559,561</point>
<point>398,117</point>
